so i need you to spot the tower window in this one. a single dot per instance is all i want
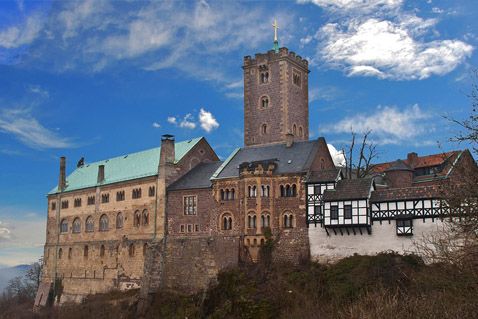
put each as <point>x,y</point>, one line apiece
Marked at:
<point>264,102</point>
<point>264,129</point>
<point>294,130</point>
<point>296,78</point>
<point>301,132</point>
<point>264,77</point>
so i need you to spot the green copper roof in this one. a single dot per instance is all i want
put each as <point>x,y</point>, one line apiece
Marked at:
<point>123,168</point>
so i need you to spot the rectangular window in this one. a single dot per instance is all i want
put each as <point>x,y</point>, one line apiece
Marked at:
<point>334,212</point>
<point>348,211</point>
<point>190,205</point>
<point>64,204</point>
<point>317,189</point>
<point>182,229</point>
<point>119,196</point>
<point>190,228</point>
<point>77,202</point>
<point>316,210</point>
<point>296,78</point>
<point>105,198</point>
<point>91,200</point>
<point>152,191</point>
<point>53,205</point>
<point>405,227</point>
<point>196,227</point>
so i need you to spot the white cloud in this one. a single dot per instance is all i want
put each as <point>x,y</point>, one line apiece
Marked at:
<point>387,49</point>
<point>21,124</point>
<point>207,120</point>
<point>5,233</point>
<point>156,125</point>
<point>337,156</point>
<point>172,120</point>
<point>18,35</point>
<point>379,38</point>
<point>389,124</point>
<point>355,6</point>
<point>188,122</point>
<point>36,89</point>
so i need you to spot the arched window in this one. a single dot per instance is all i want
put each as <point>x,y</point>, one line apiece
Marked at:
<point>222,195</point>
<point>264,102</point>
<point>265,189</point>
<point>103,223</point>
<point>131,250</point>
<point>232,194</point>
<point>69,252</point>
<point>288,220</point>
<point>301,132</point>
<point>226,222</point>
<point>137,219</point>
<point>64,226</point>
<point>294,130</point>
<point>265,220</point>
<point>294,190</point>
<point>85,251</point>
<point>264,77</point>
<point>264,129</point>
<point>282,191</point>
<point>90,224</point>
<point>145,248</point>
<point>76,225</point>
<point>102,251</point>
<point>145,218</point>
<point>119,220</point>
<point>251,218</point>
<point>288,191</point>
<point>227,194</point>
<point>60,253</point>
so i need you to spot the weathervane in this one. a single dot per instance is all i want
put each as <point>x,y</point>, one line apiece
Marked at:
<point>276,40</point>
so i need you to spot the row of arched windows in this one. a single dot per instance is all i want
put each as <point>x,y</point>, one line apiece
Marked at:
<point>287,222</point>
<point>288,190</point>
<point>104,224</point>
<point>131,251</point>
<point>300,131</point>
<point>228,194</point>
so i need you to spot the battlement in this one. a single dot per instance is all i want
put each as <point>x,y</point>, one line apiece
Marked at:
<point>271,55</point>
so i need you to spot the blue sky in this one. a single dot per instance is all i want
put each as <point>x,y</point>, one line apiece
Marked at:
<point>103,78</point>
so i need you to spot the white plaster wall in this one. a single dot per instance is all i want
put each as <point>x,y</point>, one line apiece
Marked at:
<point>331,248</point>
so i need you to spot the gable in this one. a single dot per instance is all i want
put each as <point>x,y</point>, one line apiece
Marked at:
<point>322,160</point>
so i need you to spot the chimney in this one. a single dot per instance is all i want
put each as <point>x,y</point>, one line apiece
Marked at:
<point>167,150</point>
<point>289,139</point>
<point>62,178</point>
<point>101,173</point>
<point>412,159</point>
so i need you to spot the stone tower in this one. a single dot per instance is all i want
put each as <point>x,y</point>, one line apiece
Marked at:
<point>276,100</point>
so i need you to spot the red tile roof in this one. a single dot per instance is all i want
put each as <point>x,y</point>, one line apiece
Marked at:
<point>420,161</point>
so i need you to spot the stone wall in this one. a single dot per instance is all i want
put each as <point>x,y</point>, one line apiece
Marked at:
<point>329,248</point>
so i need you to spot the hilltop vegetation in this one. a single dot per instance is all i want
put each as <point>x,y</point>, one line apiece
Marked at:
<point>384,286</point>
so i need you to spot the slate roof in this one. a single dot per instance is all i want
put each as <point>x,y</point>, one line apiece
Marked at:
<point>347,189</point>
<point>123,168</point>
<point>198,177</point>
<point>392,194</point>
<point>294,159</point>
<point>399,165</point>
<point>329,175</point>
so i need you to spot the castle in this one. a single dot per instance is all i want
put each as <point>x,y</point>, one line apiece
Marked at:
<point>175,215</point>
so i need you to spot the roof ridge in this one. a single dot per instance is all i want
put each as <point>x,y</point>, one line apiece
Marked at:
<point>142,151</point>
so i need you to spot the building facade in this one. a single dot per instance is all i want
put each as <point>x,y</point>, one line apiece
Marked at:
<point>174,216</point>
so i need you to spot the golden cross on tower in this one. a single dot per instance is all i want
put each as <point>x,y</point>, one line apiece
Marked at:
<point>275,26</point>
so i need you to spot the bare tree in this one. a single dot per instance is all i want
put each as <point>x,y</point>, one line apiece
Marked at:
<point>367,153</point>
